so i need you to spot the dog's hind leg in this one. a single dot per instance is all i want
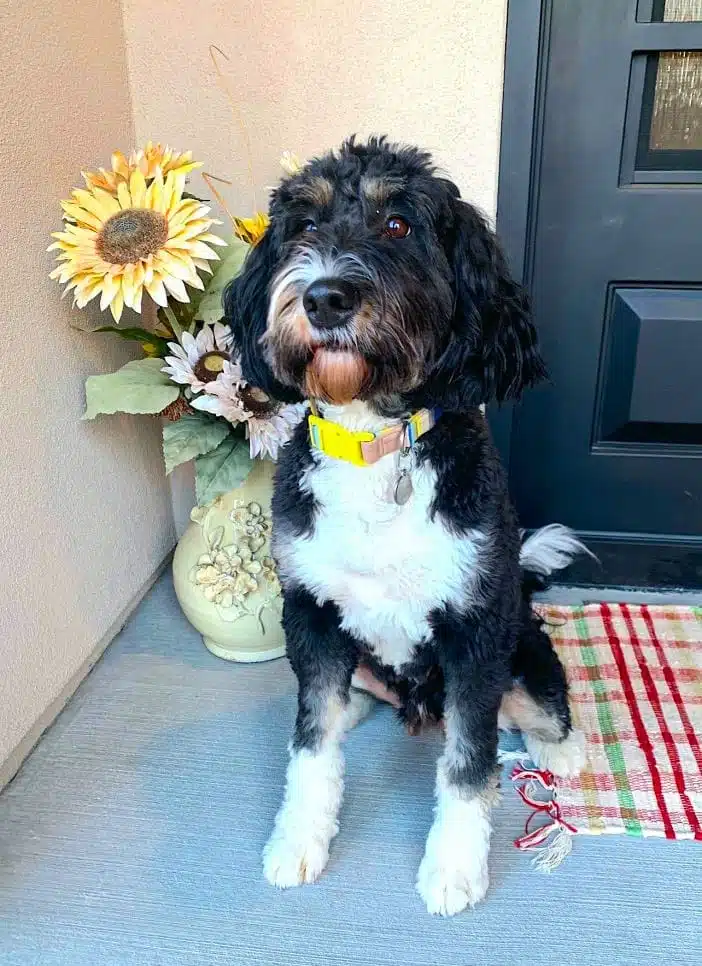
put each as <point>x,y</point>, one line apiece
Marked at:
<point>361,703</point>
<point>538,703</point>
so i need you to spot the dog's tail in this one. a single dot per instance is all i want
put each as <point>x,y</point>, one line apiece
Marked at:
<point>547,551</point>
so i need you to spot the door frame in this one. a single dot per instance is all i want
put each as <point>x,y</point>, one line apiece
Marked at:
<point>518,174</point>
<point>626,560</point>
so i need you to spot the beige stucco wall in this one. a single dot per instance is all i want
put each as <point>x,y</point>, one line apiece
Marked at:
<point>307,74</point>
<point>85,517</point>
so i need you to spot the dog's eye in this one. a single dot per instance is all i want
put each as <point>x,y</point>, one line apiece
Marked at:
<point>396,227</point>
<point>308,225</point>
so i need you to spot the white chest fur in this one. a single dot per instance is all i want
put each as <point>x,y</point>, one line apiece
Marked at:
<point>385,566</point>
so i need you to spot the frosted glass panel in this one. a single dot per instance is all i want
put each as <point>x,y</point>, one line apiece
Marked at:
<point>676,119</point>
<point>679,11</point>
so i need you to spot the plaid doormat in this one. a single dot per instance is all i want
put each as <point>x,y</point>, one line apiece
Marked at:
<point>635,675</point>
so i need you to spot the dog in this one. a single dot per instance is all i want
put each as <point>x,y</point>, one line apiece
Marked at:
<point>384,299</point>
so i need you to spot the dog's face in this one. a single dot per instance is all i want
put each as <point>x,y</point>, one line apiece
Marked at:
<point>375,281</point>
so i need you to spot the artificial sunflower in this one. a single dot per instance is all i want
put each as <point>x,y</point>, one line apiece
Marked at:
<point>143,238</point>
<point>251,230</point>
<point>147,160</point>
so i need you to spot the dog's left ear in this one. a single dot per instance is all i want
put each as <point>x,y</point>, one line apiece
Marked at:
<point>493,353</point>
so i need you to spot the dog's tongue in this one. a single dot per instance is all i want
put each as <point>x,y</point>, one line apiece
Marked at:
<point>336,375</point>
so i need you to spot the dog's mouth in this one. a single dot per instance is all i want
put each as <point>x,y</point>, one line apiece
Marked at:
<point>335,375</point>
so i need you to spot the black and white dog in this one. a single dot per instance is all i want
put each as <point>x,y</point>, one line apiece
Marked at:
<point>381,296</point>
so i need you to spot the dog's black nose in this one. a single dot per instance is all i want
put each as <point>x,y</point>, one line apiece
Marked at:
<point>330,302</point>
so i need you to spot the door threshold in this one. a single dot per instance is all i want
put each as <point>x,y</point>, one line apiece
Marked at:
<point>638,562</point>
<point>575,596</point>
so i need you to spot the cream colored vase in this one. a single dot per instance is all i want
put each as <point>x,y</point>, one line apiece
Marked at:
<point>224,576</point>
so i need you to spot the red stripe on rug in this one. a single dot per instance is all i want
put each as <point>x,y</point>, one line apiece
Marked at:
<point>639,727</point>
<point>673,687</point>
<point>655,701</point>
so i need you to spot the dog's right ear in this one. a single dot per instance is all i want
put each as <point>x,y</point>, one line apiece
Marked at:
<point>245,302</point>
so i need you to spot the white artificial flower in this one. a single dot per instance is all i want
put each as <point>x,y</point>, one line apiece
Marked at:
<point>188,351</point>
<point>222,397</point>
<point>268,433</point>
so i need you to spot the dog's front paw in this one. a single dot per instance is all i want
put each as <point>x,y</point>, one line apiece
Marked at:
<point>448,886</point>
<point>563,758</point>
<point>294,858</point>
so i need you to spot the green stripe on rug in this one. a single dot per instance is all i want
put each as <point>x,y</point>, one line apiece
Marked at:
<point>613,750</point>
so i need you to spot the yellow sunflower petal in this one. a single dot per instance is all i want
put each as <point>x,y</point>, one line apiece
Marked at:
<point>116,306</point>
<point>110,287</point>
<point>137,187</point>
<point>188,167</point>
<point>123,195</point>
<point>97,201</point>
<point>169,198</point>
<point>148,270</point>
<point>171,263</point>
<point>128,290</point>
<point>154,193</point>
<point>196,282</point>
<point>138,286</point>
<point>189,229</point>
<point>120,165</point>
<point>80,215</point>
<point>180,217</point>
<point>200,250</point>
<point>176,288</point>
<point>156,290</point>
<point>108,201</point>
<point>87,292</point>
<point>176,191</point>
<point>213,239</point>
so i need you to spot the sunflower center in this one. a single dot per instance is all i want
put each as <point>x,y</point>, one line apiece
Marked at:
<point>209,366</point>
<point>257,401</point>
<point>131,235</point>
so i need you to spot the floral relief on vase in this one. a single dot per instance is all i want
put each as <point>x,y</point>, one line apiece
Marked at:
<point>236,573</point>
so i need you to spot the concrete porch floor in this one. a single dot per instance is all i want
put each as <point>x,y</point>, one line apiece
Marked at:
<point>132,835</point>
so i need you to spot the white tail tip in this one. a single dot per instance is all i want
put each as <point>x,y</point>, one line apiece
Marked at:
<point>551,548</point>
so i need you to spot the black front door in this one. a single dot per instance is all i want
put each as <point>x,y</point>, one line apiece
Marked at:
<point>614,263</point>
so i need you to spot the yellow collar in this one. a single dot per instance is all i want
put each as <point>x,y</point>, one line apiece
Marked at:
<point>364,448</point>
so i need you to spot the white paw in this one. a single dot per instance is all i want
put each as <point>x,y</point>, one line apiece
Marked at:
<point>563,758</point>
<point>293,859</point>
<point>448,887</point>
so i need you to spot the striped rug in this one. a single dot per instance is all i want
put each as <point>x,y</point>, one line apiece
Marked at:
<point>635,674</point>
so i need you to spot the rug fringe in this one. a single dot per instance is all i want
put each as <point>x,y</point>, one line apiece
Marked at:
<point>550,855</point>
<point>520,756</point>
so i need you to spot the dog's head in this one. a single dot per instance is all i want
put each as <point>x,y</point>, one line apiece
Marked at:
<point>375,281</point>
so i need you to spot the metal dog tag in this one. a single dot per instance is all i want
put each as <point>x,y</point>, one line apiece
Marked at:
<point>403,488</point>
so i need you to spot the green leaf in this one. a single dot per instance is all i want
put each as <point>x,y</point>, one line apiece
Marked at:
<point>138,387</point>
<point>153,344</point>
<point>210,308</point>
<point>222,469</point>
<point>194,434</point>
